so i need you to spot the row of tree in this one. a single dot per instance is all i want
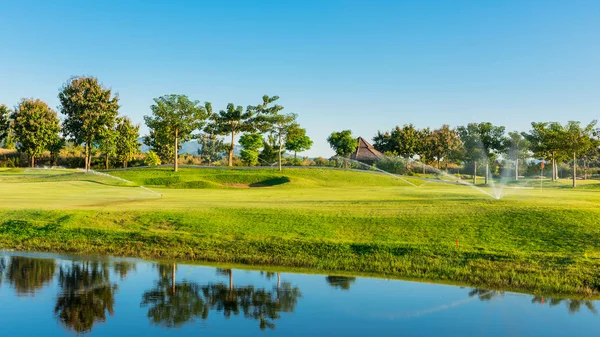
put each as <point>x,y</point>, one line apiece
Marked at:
<point>482,143</point>
<point>91,118</point>
<point>176,119</point>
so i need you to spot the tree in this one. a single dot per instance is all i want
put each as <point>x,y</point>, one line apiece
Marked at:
<point>544,139</point>
<point>161,145</point>
<point>517,149</point>
<point>4,122</point>
<point>268,155</point>
<point>426,146</point>
<point>447,142</point>
<point>152,159</point>
<point>108,144</point>
<point>297,140</point>
<point>381,142</point>
<point>212,148</point>
<point>577,139</point>
<point>231,122</point>
<point>472,147</point>
<point>404,141</point>
<point>127,144</point>
<point>176,117</point>
<point>36,126</point>
<point>56,145</point>
<point>90,110</point>
<point>492,141</point>
<point>281,124</point>
<point>343,143</point>
<point>251,143</point>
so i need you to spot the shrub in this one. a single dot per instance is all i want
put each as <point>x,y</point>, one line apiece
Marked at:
<point>152,159</point>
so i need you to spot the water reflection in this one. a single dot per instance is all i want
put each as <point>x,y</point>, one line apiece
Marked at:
<point>573,305</point>
<point>159,298</point>
<point>172,304</point>
<point>340,282</point>
<point>86,295</point>
<point>27,275</point>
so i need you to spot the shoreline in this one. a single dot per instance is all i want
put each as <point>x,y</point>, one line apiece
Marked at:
<point>533,273</point>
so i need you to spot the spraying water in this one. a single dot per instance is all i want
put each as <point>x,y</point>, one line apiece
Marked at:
<point>373,168</point>
<point>121,179</point>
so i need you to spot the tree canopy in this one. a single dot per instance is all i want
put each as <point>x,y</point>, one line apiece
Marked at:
<point>36,126</point>
<point>90,110</point>
<point>175,117</point>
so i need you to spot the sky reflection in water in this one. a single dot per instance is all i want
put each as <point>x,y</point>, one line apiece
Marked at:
<point>62,295</point>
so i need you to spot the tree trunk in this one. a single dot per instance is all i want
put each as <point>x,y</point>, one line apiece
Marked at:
<point>553,168</point>
<point>446,164</point>
<point>231,150</point>
<point>423,163</point>
<point>176,164</point>
<point>574,170</point>
<point>87,151</point>
<point>295,155</point>
<point>32,161</point>
<point>517,169</point>
<point>584,169</point>
<point>106,164</point>
<point>280,149</point>
<point>124,163</point>
<point>487,172</point>
<point>474,173</point>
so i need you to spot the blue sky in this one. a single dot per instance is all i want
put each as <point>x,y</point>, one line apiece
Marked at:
<point>359,65</point>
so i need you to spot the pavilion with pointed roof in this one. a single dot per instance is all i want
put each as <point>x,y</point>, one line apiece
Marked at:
<point>366,153</point>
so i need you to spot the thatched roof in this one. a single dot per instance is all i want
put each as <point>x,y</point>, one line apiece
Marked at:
<point>365,152</point>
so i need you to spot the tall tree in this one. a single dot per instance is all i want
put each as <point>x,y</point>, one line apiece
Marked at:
<point>281,124</point>
<point>517,149</point>
<point>212,148</point>
<point>577,139</point>
<point>343,143</point>
<point>297,140</point>
<point>176,117</point>
<point>492,141</point>
<point>544,139</point>
<point>472,147</point>
<point>90,110</point>
<point>251,143</point>
<point>446,142</point>
<point>36,126</point>
<point>161,145</point>
<point>404,141</point>
<point>426,147</point>
<point>4,122</point>
<point>381,142</point>
<point>231,121</point>
<point>127,144</point>
<point>108,144</point>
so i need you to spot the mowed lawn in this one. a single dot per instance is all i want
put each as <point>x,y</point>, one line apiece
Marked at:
<point>531,239</point>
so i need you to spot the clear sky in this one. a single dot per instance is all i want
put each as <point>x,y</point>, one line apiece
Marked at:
<point>359,65</point>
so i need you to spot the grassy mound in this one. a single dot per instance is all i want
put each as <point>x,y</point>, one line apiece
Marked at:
<point>260,177</point>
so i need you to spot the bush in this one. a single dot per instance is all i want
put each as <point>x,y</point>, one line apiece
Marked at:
<point>152,159</point>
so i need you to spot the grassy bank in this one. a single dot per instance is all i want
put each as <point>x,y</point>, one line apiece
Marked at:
<point>531,240</point>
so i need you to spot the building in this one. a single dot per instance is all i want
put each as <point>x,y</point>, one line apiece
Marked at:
<point>366,153</point>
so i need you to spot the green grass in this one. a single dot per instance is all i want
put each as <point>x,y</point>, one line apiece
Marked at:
<point>544,241</point>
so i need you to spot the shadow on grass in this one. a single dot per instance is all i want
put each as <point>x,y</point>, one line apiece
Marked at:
<point>271,182</point>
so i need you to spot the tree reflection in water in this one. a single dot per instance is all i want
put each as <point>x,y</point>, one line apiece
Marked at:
<point>27,275</point>
<point>122,268</point>
<point>340,282</point>
<point>573,305</point>
<point>172,304</point>
<point>2,267</point>
<point>86,295</point>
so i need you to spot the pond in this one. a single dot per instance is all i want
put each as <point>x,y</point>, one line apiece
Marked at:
<point>56,295</point>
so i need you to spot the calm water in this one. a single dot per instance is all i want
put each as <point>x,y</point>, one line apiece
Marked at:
<point>51,295</point>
